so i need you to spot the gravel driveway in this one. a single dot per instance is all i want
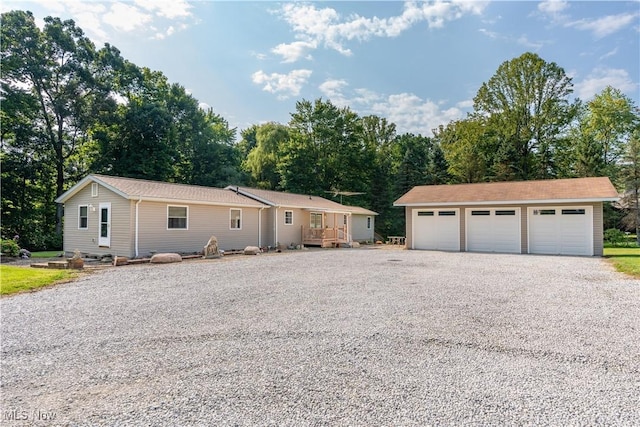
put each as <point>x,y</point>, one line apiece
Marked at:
<point>329,337</point>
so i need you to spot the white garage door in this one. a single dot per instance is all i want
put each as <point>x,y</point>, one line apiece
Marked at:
<point>493,230</point>
<point>436,229</point>
<point>561,230</point>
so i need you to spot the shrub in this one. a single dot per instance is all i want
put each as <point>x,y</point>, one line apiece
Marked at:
<point>614,236</point>
<point>10,248</point>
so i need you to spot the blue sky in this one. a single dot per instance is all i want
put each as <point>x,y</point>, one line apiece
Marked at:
<point>419,64</point>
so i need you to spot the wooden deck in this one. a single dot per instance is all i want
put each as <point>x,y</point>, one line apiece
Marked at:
<point>324,237</point>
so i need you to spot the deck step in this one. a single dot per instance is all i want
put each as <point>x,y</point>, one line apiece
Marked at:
<point>40,265</point>
<point>58,264</point>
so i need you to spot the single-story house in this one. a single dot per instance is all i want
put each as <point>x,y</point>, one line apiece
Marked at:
<point>135,217</point>
<point>562,216</point>
<point>309,220</point>
<point>362,224</point>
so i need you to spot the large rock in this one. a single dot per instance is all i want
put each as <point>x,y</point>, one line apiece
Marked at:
<point>251,250</point>
<point>76,261</point>
<point>211,249</point>
<point>165,258</point>
<point>120,260</point>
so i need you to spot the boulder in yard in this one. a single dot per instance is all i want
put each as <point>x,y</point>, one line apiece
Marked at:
<point>211,249</point>
<point>120,260</point>
<point>165,258</point>
<point>355,244</point>
<point>251,250</point>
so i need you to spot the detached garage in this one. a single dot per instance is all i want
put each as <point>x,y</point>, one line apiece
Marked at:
<point>561,216</point>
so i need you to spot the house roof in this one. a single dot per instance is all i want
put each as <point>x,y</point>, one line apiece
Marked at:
<point>291,200</point>
<point>140,189</point>
<point>359,211</point>
<point>543,191</point>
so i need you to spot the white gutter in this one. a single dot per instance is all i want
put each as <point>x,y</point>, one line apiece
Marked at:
<point>275,243</point>
<point>507,202</point>
<point>260,227</point>
<point>137,216</point>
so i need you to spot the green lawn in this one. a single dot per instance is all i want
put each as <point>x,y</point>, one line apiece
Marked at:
<point>625,259</point>
<point>18,279</point>
<point>45,254</point>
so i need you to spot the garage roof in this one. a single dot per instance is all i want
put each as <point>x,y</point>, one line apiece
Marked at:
<point>595,189</point>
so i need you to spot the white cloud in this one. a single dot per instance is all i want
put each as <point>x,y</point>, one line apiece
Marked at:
<point>170,9</point>
<point>126,18</point>
<point>411,113</point>
<point>332,89</point>
<point>98,19</point>
<point>600,78</point>
<point>467,103</point>
<point>606,25</point>
<point>293,51</point>
<point>609,54</point>
<point>284,85</point>
<point>524,41</point>
<point>315,27</point>
<point>553,8</point>
<point>408,111</point>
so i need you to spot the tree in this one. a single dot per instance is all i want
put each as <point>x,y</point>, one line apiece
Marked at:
<point>466,149</point>
<point>631,178</point>
<point>526,104</point>
<point>60,67</point>
<point>607,124</point>
<point>325,150</point>
<point>379,136</point>
<point>262,161</point>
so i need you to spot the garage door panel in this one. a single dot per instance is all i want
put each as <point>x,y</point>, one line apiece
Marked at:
<point>568,231</point>
<point>436,229</point>
<point>493,230</point>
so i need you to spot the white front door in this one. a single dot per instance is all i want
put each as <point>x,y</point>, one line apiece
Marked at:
<point>104,225</point>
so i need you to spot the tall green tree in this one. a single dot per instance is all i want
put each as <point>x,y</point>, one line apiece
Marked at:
<point>379,136</point>
<point>630,174</point>
<point>325,150</point>
<point>262,161</point>
<point>467,149</point>
<point>61,68</point>
<point>527,105</point>
<point>607,124</point>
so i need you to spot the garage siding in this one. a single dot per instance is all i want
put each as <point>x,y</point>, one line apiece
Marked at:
<point>598,231</point>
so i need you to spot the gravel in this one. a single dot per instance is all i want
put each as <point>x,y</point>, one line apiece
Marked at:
<point>328,337</point>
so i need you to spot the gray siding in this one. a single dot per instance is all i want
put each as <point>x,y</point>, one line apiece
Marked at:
<point>359,230</point>
<point>598,229</point>
<point>204,221</point>
<point>86,241</point>
<point>291,234</point>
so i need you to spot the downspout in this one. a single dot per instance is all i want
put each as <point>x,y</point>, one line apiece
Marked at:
<point>136,234</point>
<point>275,243</point>
<point>260,227</point>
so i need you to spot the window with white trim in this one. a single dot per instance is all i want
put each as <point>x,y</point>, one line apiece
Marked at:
<point>94,189</point>
<point>288,217</point>
<point>368,223</point>
<point>316,220</point>
<point>83,217</point>
<point>235,217</point>
<point>177,217</point>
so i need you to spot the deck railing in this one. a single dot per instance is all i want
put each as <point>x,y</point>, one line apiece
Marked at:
<point>323,236</point>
